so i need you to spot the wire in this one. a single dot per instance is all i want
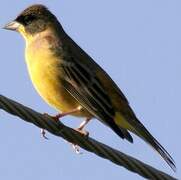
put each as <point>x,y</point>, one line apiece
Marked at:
<point>87,143</point>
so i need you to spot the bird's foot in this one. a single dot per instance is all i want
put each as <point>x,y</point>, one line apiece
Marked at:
<point>76,148</point>
<point>43,134</point>
<point>83,132</point>
<point>56,117</point>
<point>42,131</point>
<point>81,127</point>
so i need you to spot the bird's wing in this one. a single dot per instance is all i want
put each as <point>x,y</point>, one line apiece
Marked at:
<point>88,88</point>
<point>82,83</point>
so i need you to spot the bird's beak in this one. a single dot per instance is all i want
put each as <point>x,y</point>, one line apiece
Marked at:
<point>13,26</point>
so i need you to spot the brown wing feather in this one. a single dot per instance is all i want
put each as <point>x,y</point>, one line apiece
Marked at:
<point>109,90</point>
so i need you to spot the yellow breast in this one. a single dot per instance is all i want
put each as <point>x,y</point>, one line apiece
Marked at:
<point>43,67</point>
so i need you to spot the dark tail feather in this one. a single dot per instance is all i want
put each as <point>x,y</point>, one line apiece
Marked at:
<point>166,156</point>
<point>127,135</point>
<point>142,132</point>
<point>123,133</point>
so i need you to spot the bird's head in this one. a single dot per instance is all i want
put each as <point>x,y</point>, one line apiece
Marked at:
<point>32,20</point>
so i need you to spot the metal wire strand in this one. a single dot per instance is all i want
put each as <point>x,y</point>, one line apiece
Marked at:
<point>87,143</point>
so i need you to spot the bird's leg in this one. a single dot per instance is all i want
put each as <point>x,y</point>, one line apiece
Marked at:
<point>83,132</point>
<point>58,116</point>
<point>81,127</point>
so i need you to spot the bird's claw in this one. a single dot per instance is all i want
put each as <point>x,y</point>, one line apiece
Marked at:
<point>43,134</point>
<point>76,148</point>
<point>83,132</point>
<point>56,117</point>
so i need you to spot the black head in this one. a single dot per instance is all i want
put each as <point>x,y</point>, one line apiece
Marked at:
<point>36,18</point>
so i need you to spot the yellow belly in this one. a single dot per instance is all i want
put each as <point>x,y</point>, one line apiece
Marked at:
<point>45,74</point>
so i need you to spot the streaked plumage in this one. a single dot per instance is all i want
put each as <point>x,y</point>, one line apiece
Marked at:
<point>66,77</point>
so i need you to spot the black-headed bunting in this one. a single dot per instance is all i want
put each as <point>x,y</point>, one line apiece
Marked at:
<point>68,79</point>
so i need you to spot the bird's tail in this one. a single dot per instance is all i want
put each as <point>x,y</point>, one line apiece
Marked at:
<point>143,133</point>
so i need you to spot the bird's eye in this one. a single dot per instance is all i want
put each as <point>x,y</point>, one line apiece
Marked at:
<point>29,18</point>
<point>25,20</point>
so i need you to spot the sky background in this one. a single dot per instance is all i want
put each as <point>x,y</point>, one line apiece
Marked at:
<point>139,44</point>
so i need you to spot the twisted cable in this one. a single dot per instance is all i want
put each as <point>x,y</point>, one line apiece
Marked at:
<point>87,143</point>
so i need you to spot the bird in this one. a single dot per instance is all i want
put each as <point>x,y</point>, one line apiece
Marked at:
<point>69,80</point>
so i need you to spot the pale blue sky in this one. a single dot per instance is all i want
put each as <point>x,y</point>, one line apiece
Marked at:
<point>139,44</point>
